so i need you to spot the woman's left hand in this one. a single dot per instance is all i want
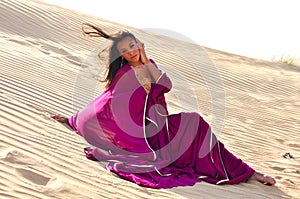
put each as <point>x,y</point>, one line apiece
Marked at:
<point>143,55</point>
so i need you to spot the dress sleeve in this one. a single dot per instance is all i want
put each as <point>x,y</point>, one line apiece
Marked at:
<point>162,85</point>
<point>72,122</point>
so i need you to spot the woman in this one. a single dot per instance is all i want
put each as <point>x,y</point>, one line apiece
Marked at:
<point>131,129</point>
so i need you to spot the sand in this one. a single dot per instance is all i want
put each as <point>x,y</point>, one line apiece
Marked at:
<point>49,67</point>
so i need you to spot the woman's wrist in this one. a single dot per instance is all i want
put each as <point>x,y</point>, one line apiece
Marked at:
<point>154,71</point>
<point>147,62</point>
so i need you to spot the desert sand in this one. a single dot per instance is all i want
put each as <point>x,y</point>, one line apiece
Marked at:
<point>48,66</point>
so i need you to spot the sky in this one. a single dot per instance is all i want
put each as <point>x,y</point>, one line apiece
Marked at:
<point>264,29</point>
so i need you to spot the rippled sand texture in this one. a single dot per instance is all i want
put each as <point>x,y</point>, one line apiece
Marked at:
<point>48,66</point>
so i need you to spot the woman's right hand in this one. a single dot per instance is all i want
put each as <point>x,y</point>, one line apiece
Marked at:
<point>143,55</point>
<point>60,118</point>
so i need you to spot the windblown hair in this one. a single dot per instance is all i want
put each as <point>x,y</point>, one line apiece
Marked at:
<point>115,61</point>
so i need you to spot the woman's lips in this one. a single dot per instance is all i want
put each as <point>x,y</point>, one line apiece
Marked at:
<point>133,57</point>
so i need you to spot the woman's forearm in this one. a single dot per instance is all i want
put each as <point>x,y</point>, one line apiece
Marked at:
<point>154,71</point>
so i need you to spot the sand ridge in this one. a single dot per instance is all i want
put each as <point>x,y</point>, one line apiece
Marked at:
<point>42,58</point>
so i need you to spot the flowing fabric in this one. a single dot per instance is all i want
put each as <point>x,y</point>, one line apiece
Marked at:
<point>132,130</point>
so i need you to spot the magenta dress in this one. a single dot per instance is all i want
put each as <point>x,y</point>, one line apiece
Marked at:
<point>131,130</point>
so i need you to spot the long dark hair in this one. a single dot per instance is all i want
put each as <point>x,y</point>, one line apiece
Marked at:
<point>115,61</point>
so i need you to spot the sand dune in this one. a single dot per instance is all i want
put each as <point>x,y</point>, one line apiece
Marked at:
<point>48,66</point>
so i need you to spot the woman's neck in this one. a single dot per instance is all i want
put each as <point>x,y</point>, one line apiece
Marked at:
<point>135,64</point>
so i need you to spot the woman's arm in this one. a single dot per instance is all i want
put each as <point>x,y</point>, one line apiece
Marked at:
<point>153,70</point>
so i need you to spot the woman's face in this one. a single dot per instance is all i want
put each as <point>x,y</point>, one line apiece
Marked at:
<point>129,50</point>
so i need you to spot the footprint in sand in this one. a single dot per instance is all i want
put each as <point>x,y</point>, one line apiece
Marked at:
<point>24,43</point>
<point>49,49</point>
<point>277,168</point>
<point>278,177</point>
<point>39,178</point>
<point>74,60</point>
<point>34,176</point>
<point>294,144</point>
<point>26,168</point>
<point>280,140</point>
<point>13,156</point>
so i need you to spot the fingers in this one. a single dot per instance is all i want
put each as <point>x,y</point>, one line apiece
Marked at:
<point>60,118</point>
<point>140,44</point>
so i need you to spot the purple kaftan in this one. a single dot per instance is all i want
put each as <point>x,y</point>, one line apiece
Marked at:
<point>133,132</point>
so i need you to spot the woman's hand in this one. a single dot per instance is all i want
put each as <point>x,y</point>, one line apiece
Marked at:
<point>60,118</point>
<point>143,55</point>
<point>154,71</point>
